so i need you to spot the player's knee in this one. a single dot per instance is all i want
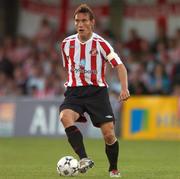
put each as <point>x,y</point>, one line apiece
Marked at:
<point>109,138</point>
<point>63,116</point>
<point>66,119</point>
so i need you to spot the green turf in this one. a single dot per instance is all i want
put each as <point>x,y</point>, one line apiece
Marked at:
<point>36,158</point>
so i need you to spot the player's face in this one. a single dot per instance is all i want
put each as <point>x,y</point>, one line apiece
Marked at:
<point>84,26</point>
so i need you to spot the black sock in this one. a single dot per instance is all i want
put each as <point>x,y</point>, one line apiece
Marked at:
<point>75,138</point>
<point>112,152</point>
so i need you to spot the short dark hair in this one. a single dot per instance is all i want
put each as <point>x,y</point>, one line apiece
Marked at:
<point>84,8</point>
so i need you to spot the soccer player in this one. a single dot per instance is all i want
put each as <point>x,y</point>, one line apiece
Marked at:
<point>85,55</point>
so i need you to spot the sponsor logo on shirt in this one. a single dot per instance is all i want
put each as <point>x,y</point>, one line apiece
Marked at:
<point>82,70</point>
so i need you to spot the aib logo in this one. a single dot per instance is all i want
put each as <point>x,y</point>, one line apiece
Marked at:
<point>139,120</point>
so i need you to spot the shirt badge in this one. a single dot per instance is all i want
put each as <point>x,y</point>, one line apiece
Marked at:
<point>93,52</point>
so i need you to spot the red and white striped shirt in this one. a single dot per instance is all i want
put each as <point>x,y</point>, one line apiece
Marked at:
<point>86,62</point>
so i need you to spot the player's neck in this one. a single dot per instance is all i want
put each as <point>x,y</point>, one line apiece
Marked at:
<point>84,38</point>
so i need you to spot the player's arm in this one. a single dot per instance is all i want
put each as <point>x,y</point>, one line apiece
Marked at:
<point>64,57</point>
<point>123,78</point>
<point>115,61</point>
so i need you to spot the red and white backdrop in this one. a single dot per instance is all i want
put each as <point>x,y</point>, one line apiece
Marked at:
<point>143,15</point>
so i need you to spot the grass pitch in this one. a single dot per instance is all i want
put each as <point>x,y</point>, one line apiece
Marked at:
<point>36,158</point>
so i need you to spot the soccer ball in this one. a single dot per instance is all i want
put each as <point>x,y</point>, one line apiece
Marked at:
<point>68,166</point>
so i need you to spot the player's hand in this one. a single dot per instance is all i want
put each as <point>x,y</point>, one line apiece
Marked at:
<point>124,95</point>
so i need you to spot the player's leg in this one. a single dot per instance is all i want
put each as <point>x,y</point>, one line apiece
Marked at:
<point>71,110</point>
<point>75,138</point>
<point>101,114</point>
<point>111,147</point>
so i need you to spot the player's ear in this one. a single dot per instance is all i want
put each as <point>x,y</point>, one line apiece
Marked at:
<point>93,23</point>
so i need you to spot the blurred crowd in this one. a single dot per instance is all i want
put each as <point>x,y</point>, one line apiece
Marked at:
<point>33,66</point>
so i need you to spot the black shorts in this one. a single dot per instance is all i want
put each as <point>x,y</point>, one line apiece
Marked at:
<point>91,99</point>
